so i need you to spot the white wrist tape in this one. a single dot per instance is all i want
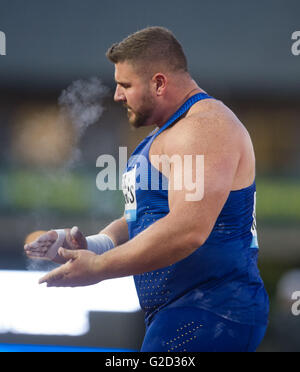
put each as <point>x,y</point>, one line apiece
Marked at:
<point>52,251</point>
<point>99,243</point>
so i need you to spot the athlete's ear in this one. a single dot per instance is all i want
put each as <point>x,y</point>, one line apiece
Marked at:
<point>160,82</point>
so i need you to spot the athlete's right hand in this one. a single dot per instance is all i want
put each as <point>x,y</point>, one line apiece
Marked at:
<point>40,248</point>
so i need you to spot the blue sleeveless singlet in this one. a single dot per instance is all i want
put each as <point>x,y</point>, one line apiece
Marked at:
<point>222,275</point>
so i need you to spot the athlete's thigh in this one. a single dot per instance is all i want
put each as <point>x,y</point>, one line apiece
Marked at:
<point>193,330</point>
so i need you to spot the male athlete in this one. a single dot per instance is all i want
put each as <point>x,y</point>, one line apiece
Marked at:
<point>194,260</point>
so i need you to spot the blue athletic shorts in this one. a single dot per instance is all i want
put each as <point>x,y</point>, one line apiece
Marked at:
<point>195,330</point>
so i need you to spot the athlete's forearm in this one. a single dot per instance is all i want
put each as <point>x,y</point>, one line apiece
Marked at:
<point>165,242</point>
<point>117,231</point>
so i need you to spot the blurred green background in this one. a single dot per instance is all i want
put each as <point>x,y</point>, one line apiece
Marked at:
<point>238,52</point>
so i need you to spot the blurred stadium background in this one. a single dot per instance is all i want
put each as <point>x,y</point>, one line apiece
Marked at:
<point>239,52</point>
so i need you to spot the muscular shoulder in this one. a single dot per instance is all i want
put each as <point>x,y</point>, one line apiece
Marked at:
<point>209,126</point>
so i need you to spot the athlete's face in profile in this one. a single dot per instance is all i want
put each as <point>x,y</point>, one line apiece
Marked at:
<point>134,92</point>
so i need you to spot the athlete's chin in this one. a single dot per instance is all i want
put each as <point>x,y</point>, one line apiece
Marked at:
<point>136,125</point>
<point>136,121</point>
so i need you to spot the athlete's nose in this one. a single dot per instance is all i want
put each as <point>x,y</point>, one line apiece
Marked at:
<point>119,95</point>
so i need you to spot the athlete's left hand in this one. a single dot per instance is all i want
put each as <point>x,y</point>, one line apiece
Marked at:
<point>80,270</point>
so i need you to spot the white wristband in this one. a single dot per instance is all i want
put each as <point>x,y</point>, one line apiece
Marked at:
<point>52,251</point>
<point>99,243</point>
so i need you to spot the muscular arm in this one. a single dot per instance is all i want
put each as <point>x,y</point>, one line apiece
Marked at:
<point>47,244</point>
<point>117,231</point>
<point>188,224</point>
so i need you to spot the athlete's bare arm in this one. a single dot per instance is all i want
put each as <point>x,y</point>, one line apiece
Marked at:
<point>222,140</point>
<point>117,231</point>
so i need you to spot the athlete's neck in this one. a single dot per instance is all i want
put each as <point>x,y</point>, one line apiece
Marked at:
<point>175,99</point>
